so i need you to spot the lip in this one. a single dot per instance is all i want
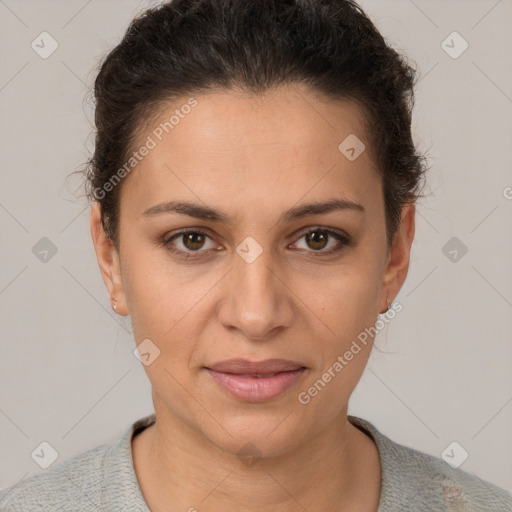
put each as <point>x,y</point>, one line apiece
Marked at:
<point>244,366</point>
<point>256,381</point>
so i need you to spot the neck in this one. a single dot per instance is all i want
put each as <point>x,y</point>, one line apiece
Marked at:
<point>338,469</point>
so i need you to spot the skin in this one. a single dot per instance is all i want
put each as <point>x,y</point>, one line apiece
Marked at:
<point>254,157</point>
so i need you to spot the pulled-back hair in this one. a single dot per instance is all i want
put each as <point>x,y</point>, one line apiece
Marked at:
<point>184,47</point>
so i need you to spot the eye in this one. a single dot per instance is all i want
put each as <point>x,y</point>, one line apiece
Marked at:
<point>188,242</point>
<point>317,239</point>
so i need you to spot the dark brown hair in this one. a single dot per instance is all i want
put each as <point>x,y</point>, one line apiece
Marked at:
<point>185,47</point>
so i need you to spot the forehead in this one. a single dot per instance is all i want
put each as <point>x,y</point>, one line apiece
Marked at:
<point>280,145</point>
<point>233,122</point>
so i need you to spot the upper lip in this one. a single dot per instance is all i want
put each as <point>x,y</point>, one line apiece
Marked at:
<point>243,366</point>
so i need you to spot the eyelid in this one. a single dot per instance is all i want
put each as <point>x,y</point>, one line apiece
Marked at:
<point>343,238</point>
<point>339,232</point>
<point>166,239</point>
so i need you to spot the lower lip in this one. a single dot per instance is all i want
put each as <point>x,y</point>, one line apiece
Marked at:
<point>254,389</point>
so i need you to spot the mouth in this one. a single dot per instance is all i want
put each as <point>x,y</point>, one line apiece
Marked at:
<point>256,375</point>
<point>255,382</point>
<point>255,368</point>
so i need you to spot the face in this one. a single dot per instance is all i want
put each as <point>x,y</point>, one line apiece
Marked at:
<point>257,276</point>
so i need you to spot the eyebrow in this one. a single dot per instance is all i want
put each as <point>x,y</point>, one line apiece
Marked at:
<point>206,213</point>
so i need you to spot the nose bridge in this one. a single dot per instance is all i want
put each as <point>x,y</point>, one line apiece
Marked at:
<point>254,303</point>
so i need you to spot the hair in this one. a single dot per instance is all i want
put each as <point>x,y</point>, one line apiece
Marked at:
<point>185,47</point>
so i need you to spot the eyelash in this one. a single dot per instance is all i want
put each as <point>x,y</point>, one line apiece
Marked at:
<point>343,239</point>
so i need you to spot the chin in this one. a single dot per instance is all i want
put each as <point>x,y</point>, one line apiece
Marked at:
<point>258,434</point>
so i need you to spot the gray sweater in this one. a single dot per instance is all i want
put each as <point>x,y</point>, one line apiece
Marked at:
<point>103,479</point>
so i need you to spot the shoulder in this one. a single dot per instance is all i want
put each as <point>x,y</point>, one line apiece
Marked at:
<point>101,478</point>
<point>75,480</point>
<point>418,481</point>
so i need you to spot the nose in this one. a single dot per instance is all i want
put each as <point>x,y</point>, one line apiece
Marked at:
<point>257,301</point>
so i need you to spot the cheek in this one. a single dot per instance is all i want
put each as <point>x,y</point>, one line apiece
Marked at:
<point>344,301</point>
<point>149,288</point>
<point>344,345</point>
<point>347,310</point>
<point>166,302</point>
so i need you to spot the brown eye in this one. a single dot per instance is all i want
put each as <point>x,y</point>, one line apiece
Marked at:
<point>188,243</point>
<point>317,239</point>
<point>193,241</point>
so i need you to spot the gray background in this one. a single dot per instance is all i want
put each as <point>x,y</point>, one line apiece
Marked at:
<point>67,372</point>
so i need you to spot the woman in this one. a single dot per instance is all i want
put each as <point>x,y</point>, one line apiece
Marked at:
<point>254,184</point>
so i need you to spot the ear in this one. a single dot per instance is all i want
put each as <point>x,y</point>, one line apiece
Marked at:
<point>108,261</point>
<point>398,257</point>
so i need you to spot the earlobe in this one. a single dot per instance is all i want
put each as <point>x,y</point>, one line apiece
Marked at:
<point>108,261</point>
<point>399,256</point>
